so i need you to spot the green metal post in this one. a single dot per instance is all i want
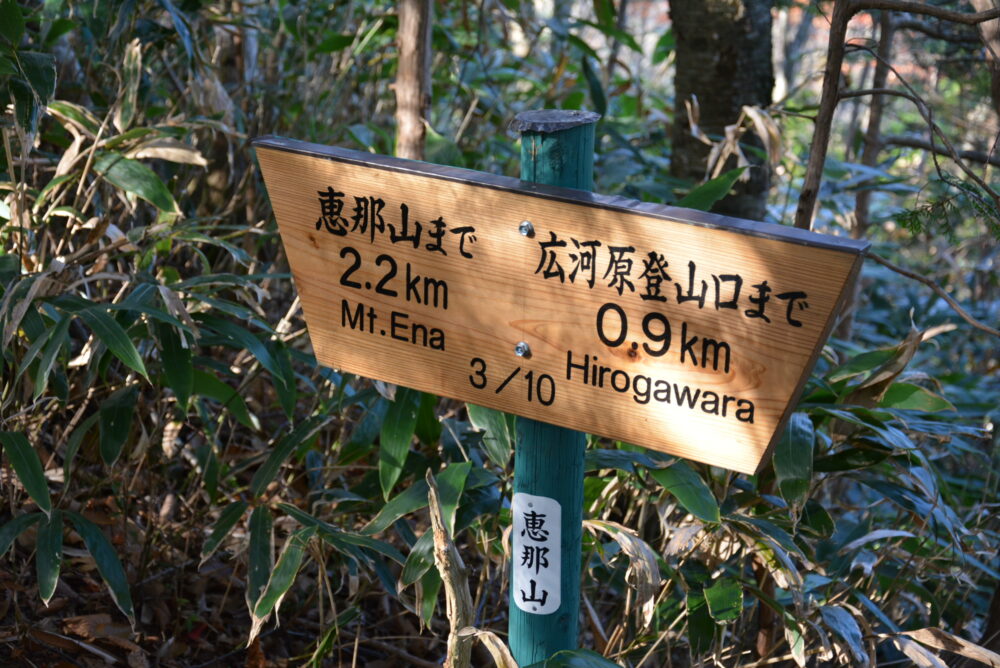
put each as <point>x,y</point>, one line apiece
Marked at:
<point>557,148</point>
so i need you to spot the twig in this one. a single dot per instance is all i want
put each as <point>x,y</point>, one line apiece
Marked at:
<point>941,292</point>
<point>918,142</point>
<point>965,18</point>
<point>843,12</point>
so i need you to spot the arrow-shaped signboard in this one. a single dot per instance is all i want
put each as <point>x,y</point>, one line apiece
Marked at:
<point>672,329</point>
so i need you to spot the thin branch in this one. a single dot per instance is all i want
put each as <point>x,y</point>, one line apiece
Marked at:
<point>843,12</point>
<point>965,18</point>
<point>918,142</point>
<point>937,32</point>
<point>927,114</point>
<point>941,292</point>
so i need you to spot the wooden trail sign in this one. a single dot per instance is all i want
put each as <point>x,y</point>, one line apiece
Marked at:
<point>677,330</point>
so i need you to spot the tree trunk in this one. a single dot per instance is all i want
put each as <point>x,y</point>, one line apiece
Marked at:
<point>413,78</point>
<point>723,60</point>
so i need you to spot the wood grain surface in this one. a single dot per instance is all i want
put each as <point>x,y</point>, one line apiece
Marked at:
<point>465,299</point>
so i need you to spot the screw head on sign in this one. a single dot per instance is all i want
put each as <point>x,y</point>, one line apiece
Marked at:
<point>526,228</point>
<point>522,349</point>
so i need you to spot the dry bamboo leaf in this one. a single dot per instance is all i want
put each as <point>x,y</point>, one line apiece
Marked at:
<point>921,657</point>
<point>168,148</point>
<point>69,157</point>
<point>768,131</point>
<point>643,572</point>
<point>496,647</point>
<point>939,639</point>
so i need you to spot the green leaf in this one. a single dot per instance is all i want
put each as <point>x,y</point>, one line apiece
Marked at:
<point>597,96</point>
<point>48,555</point>
<point>690,490</point>
<point>664,46</point>
<point>409,500</point>
<point>228,518</point>
<point>11,21</point>
<point>428,427</point>
<point>342,540</point>
<point>207,385</point>
<point>111,334</point>
<point>796,640</point>
<point>861,363</point>
<point>701,627</point>
<point>302,432</point>
<point>131,75</point>
<point>725,600</point>
<point>451,484</point>
<point>334,42</point>
<point>25,105</point>
<point>58,28</point>
<point>55,342</point>
<point>244,338</point>
<point>625,460</point>
<point>430,587</point>
<point>845,626</point>
<point>419,560</point>
<point>260,554</point>
<point>107,562</point>
<point>28,468</point>
<point>40,71</point>
<point>73,444</point>
<point>793,458</point>
<point>7,69</point>
<point>707,194</point>
<point>281,577</point>
<point>397,431</point>
<point>178,367</point>
<point>135,178</point>
<point>498,428</point>
<point>905,396</point>
<point>10,531</point>
<point>116,421</point>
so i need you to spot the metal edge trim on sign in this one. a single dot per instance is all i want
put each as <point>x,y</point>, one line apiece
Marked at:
<point>569,195</point>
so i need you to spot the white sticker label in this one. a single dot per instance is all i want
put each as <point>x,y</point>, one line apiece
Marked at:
<point>537,537</point>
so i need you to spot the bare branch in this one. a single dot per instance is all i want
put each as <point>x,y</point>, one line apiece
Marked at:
<point>941,292</point>
<point>919,142</point>
<point>937,32</point>
<point>925,111</point>
<point>965,18</point>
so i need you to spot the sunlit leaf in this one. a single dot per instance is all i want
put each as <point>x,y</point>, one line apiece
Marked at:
<point>498,439</point>
<point>134,177</point>
<point>913,397</point>
<point>725,600</point>
<point>704,197</point>
<point>281,578</point>
<point>397,432</point>
<point>689,489</point>
<point>793,457</point>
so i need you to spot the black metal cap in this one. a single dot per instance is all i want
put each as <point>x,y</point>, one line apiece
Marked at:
<point>552,120</point>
